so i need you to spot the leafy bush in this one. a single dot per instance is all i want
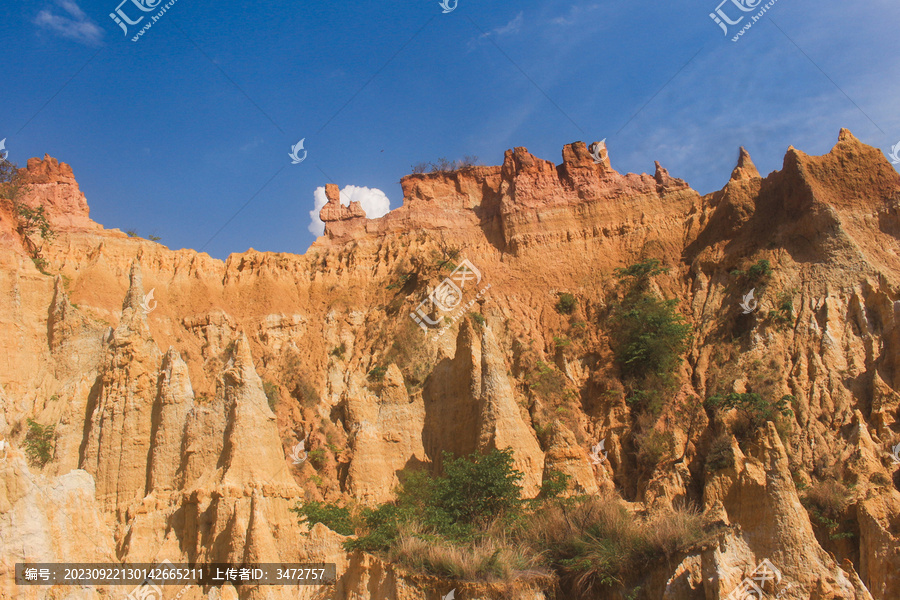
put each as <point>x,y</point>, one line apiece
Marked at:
<point>317,458</point>
<point>401,281</point>
<point>338,351</point>
<point>547,381</point>
<point>377,374</point>
<point>478,318</point>
<point>471,523</point>
<point>473,491</point>
<point>553,485</point>
<point>653,447</point>
<point>477,488</point>
<point>334,517</point>
<point>826,501</point>
<point>759,272</point>
<point>34,220</point>
<point>640,274</point>
<point>752,407</point>
<point>271,390</point>
<point>566,303</point>
<point>153,238</point>
<point>785,309</point>
<point>720,455</point>
<point>648,336</point>
<point>39,443</point>
<point>132,233</point>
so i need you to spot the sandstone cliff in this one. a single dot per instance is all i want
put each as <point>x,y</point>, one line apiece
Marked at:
<point>174,421</point>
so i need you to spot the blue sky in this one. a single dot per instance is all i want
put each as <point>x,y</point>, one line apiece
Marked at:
<point>171,135</point>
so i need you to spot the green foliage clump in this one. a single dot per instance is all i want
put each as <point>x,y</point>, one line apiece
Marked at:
<point>478,318</point>
<point>338,351</point>
<point>547,381</point>
<point>648,336</point>
<point>720,455</point>
<point>317,458</point>
<point>754,409</point>
<point>759,272</point>
<point>553,486</point>
<point>473,491</point>
<point>566,303</point>
<point>640,274</point>
<point>401,281</point>
<point>39,443</point>
<point>653,447</point>
<point>334,517</point>
<point>377,374</point>
<point>826,502</point>
<point>132,233</point>
<point>153,238</point>
<point>271,390</point>
<point>34,220</point>
<point>785,309</point>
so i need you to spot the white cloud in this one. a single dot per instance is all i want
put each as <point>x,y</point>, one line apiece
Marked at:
<point>512,27</point>
<point>74,26</point>
<point>373,201</point>
<point>576,14</point>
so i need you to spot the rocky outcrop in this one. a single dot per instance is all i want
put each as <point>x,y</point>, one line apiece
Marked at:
<point>52,184</point>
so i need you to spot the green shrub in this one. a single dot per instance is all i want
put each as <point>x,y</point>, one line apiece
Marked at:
<point>653,447</point>
<point>34,220</point>
<point>648,336</point>
<point>826,501</point>
<point>153,238</point>
<point>547,381</point>
<point>338,351</point>
<point>334,517</point>
<point>377,374</point>
<point>553,485</point>
<point>477,488</point>
<point>473,491</point>
<point>720,455</point>
<point>317,458</point>
<point>478,318</point>
<point>566,303</point>
<point>401,281</point>
<point>271,391</point>
<point>752,407</point>
<point>561,342</point>
<point>131,233</point>
<point>785,309</point>
<point>759,272</point>
<point>39,443</point>
<point>640,274</point>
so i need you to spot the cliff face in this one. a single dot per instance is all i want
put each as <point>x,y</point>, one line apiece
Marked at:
<point>175,417</point>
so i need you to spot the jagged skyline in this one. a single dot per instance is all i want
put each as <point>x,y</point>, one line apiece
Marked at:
<point>191,126</point>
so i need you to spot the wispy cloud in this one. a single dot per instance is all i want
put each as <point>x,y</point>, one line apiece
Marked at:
<point>512,27</point>
<point>574,14</point>
<point>71,23</point>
